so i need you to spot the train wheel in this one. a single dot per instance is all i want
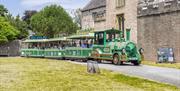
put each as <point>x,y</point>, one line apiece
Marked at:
<point>116,60</point>
<point>121,63</point>
<point>72,60</point>
<point>99,61</point>
<point>84,60</point>
<point>136,63</point>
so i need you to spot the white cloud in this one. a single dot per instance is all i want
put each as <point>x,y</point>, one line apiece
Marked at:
<point>35,3</point>
<point>69,5</point>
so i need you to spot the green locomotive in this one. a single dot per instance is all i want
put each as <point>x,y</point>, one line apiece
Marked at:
<point>107,45</point>
<point>111,46</point>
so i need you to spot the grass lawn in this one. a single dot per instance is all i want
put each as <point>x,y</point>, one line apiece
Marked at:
<point>168,65</point>
<point>28,74</point>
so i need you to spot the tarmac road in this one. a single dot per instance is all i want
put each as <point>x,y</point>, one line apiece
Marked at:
<point>159,74</point>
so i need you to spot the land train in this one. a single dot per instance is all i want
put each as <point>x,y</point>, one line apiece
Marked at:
<point>107,45</point>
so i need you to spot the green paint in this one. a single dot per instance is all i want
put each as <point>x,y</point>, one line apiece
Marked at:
<point>128,34</point>
<point>116,46</point>
<point>103,49</point>
<point>104,38</point>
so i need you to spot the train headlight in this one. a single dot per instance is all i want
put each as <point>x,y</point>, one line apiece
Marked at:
<point>141,50</point>
<point>59,54</point>
<point>22,53</point>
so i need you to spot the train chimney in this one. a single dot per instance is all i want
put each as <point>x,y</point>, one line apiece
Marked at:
<point>128,34</point>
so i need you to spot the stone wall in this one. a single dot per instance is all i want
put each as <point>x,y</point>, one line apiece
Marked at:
<point>88,19</point>
<point>10,49</point>
<point>158,28</point>
<point>130,15</point>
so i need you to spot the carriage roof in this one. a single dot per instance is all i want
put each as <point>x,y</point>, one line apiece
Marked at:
<point>58,39</point>
<point>35,40</point>
<point>81,36</point>
<point>84,36</point>
<point>108,31</point>
<point>45,40</point>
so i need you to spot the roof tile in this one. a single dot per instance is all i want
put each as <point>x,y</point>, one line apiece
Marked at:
<point>94,4</point>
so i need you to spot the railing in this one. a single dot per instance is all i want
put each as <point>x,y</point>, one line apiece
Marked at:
<point>4,51</point>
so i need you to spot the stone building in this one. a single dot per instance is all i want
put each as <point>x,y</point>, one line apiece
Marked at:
<point>122,14</point>
<point>154,23</point>
<point>159,26</point>
<point>106,14</point>
<point>94,15</point>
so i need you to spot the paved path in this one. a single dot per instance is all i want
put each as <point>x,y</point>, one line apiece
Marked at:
<point>160,74</point>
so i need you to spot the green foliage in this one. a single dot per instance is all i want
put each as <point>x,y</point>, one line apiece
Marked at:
<point>11,28</point>
<point>3,39</point>
<point>3,10</point>
<point>20,25</point>
<point>7,31</point>
<point>52,21</point>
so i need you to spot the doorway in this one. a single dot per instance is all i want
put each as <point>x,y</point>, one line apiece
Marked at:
<point>120,19</point>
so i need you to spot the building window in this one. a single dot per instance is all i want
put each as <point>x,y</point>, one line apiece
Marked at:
<point>120,23</point>
<point>168,2</point>
<point>120,3</point>
<point>178,1</point>
<point>99,16</point>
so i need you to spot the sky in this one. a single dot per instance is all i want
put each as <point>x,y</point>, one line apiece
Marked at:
<point>16,7</point>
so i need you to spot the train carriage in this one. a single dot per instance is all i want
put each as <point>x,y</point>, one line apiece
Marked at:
<point>45,48</point>
<point>31,48</point>
<point>82,47</point>
<point>56,49</point>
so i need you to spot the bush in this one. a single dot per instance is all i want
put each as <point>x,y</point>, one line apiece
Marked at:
<point>7,31</point>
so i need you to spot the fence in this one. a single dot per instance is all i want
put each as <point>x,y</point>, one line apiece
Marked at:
<point>11,48</point>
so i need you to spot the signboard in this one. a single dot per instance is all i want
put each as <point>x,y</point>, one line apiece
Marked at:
<point>165,55</point>
<point>38,37</point>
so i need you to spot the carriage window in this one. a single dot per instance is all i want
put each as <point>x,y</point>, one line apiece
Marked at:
<point>99,38</point>
<point>110,37</point>
<point>117,36</point>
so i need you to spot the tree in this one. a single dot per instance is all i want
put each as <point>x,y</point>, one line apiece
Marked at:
<point>28,14</point>
<point>20,25</point>
<point>7,31</point>
<point>51,21</point>
<point>11,28</point>
<point>3,11</point>
<point>27,17</point>
<point>78,17</point>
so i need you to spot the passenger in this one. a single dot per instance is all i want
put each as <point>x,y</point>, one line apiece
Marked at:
<point>84,45</point>
<point>60,48</point>
<point>74,44</point>
<point>110,38</point>
<point>55,47</point>
<point>91,44</point>
<point>87,44</point>
<point>63,47</point>
<point>43,47</point>
<point>80,43</point>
